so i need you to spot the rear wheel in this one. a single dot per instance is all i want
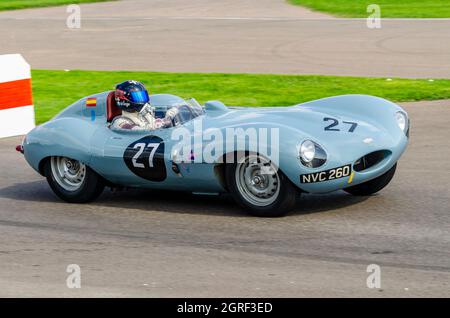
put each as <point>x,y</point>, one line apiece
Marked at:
<point>374,185</point>
<point>259,187</point>
<point>72,180</point>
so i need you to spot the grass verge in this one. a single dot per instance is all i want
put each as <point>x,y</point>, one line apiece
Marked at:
<point>23,4</point>
<point>54,90</point>
<point>389,8</point>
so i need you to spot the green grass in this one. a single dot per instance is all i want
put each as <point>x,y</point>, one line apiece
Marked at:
<point>54,90</point>
<point>22,4</point>
<point>389,8</point>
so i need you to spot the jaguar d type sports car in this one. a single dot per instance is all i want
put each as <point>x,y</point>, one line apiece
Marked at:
<point>350,143</point>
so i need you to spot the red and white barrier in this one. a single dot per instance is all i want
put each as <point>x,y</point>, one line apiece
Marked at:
<point>16,101</point>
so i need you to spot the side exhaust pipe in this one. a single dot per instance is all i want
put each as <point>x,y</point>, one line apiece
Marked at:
<point>19,148</point>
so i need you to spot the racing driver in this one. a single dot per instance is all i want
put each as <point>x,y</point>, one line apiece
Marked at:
<point>137,114</point>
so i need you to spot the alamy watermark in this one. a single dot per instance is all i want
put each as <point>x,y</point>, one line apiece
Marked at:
<point>207,146</point>
<point>73,21</point>
<point>374,19</point>
<point>374,278</point>
<point>74,278</point>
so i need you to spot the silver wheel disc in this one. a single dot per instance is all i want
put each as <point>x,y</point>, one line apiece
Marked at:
<point>68,173</point>
<point>257,180</point>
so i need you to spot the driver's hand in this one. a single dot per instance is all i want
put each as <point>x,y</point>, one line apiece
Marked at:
<point>159,123</point>
<point>146,109</point>
<point>171,113</point>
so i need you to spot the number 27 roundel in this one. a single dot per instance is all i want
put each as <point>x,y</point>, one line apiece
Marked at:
<point>145,158</point>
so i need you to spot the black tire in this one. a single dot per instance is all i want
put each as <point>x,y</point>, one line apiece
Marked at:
<point>284,202</point>
<point>374,185</point>
<point>90,189</point>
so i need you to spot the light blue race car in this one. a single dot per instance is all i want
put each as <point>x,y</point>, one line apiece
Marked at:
<point>264,157</point>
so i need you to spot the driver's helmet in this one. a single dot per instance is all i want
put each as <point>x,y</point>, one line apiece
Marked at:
<point>131,96</point>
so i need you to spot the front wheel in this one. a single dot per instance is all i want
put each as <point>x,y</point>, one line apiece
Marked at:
<point>374,185</point>
<point>259,187</point>
<point>72,180</point>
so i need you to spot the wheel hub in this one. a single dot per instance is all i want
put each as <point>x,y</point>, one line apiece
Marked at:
<point>68,173</point>
<point>258,180</point>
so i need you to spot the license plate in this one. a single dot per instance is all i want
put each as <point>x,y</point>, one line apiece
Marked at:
<point>326,175</point>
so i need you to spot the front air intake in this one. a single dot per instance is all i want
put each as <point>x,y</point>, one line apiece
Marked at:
<point>370,160</point>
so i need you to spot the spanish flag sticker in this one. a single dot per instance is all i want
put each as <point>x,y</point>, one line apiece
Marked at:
<point>91,102</point>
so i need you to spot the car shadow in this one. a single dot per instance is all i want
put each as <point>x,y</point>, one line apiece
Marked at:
<point>177,202</point>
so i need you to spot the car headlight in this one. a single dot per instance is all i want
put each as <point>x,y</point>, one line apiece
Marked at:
<point>307,151</point>
<point>402,121</point>
<point>311,154</point>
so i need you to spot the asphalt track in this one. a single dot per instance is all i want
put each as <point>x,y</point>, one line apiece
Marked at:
<point>148,244</point>
<point>248,36</point>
